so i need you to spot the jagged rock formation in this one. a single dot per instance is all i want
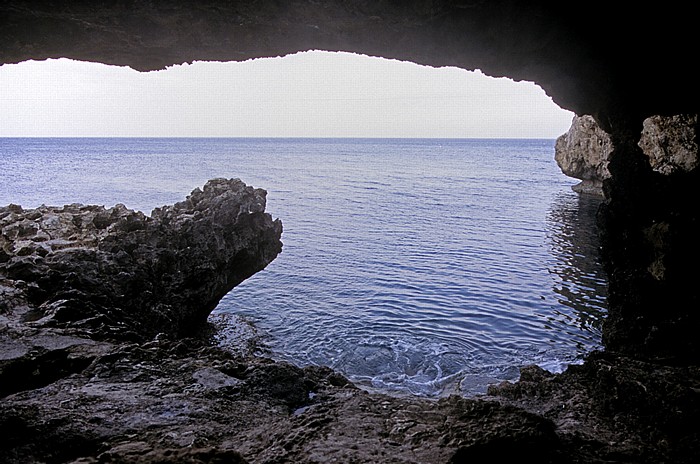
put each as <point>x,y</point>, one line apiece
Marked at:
<point>121,273</point>
<point>671,143</point>
<point>583,153</point>
<point>644,256</point>
<point>591,63</point>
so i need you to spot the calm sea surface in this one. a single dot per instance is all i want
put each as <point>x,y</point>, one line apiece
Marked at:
<point>412,266</point>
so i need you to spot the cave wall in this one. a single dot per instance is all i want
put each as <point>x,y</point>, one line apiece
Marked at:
<point>620,64</point>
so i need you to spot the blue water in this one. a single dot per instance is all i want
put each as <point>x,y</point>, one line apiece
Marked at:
<point>426,267</point>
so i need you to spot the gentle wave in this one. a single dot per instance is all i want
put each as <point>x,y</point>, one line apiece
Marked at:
<point>412,266</point>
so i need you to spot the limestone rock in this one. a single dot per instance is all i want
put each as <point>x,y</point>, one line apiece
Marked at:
<point>119,273</point>
<point>583,153</point>
<point>671,142</point>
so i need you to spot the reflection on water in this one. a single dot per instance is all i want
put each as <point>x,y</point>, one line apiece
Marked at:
<point>431,277</point>
<point>419,266</point>
<point>582,283</point>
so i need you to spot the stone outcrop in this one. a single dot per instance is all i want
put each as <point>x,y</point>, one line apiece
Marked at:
<point>76,279</point>
<point>671,143</point>
<point>583,153</point>
<point>647,227</point>
<point>119,273</point>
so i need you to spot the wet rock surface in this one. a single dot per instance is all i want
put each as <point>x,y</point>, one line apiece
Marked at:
<point>88,376</point>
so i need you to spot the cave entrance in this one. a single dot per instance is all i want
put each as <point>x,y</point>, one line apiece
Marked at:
<point>431,244</point>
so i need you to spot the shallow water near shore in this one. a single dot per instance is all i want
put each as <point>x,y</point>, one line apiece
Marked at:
<point>425,267</point>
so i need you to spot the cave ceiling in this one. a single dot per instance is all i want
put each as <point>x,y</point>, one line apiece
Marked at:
<point>590,57</point>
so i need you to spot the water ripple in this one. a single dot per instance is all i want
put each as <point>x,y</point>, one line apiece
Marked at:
<point>412,266</point>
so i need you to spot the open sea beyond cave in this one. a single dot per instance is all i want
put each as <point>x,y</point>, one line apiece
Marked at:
<point>421,266</point>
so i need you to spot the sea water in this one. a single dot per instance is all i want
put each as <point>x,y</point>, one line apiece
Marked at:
<point>412,266</point>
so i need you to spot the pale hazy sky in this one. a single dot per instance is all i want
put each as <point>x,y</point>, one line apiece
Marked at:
<point>311,94</point>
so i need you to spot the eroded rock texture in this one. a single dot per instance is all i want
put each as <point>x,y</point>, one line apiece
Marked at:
<point>656,217</point>
<point>118,273</point>
<point>671,143</point>
<point>583,153</point>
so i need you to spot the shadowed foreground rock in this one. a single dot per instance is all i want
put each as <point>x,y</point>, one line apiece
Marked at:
<point>170,402</point>
<point>100,362</point>
<point>76,279</point>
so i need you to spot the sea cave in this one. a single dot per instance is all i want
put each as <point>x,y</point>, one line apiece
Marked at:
<point>85,379</point>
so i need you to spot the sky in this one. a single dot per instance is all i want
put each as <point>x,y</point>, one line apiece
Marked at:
<point>309,94</point>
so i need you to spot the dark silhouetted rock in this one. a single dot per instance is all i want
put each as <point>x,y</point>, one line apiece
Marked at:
<point>121,274</point>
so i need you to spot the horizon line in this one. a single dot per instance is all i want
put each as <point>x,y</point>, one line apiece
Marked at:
<point>293,137</point>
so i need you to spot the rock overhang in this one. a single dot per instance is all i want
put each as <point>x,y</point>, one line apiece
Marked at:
<point>594,60</point>
<point>117,273</point>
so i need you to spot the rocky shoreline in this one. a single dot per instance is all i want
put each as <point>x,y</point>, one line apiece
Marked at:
<point>668,142</point>
<point>106,356</point>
